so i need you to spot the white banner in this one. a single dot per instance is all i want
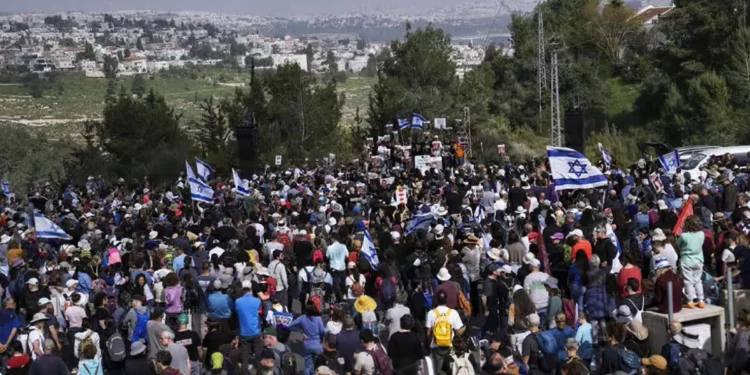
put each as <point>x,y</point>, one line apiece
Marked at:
<point>278,159</point>
<point>425,162</point>
<point>440,123</point>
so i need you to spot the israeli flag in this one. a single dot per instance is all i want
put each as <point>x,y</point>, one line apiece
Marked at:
<point>670,161</point>
<point>605,156</point>
<point>368,250</point>
<point>572,170</point>
<point>421,221</point>
<point>45,228</point>
<point>403,124</point>
<point>199,191</point>
<point>479,213</point>
<point>204,170</point>
<point>242,186</point>
<point>6,188</point>
<point>417,121</point>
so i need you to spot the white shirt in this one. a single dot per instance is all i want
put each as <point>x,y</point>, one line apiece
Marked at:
<point>350,282</point>
<point>451,314</point>
<point>35,335</point>
<point>80,336</point>
<point>727,256</point>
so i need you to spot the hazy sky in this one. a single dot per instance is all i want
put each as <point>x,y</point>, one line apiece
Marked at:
<point>256,7</point>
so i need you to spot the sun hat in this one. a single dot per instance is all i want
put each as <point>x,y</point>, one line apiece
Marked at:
<point>659,235</point>
<point>364,304</point>
<point>38,317</point>
<point>624,315</point>
<point>528,258</point>
<point>535,263</point>
<point>5,239</point>
<point>575,232</point>
<point>494,254</point>
<point>263,271</point>
<point>137,348</point>
<point>471,240</point>
<point>443,274</point>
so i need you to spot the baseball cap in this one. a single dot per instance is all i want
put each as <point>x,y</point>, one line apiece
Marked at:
<point>44,301</point>
<point>33,281</point>
<point>506,269</point>
<point>247,284</point>
<point>71,283</point>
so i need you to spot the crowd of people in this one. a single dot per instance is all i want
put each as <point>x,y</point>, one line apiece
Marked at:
<point>464,270</point>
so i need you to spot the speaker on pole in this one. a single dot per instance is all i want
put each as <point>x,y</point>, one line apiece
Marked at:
<point>574,131</point>
<point>247,145</point>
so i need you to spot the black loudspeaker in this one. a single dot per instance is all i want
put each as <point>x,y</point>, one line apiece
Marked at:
<point>247,146</point>
<point>574,134</point>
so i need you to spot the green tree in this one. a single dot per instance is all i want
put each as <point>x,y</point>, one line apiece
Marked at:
<point>27,159</point>
<point>110,67</point>
<point>143,137</point>
<point>419,77</point>
<point>138,86</point>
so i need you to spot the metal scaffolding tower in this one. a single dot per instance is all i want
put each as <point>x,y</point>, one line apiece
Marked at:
<point>556,127</point>
<point>541,62</point>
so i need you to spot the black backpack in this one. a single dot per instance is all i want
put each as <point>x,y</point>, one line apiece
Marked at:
<point>286,361</point>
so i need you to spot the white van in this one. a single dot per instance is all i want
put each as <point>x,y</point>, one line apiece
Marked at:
<point>699,159</point>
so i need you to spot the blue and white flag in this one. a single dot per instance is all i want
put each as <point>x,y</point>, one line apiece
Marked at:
<point>242,186</point>
<point>670,161</point>
<point>417,121</point>
<point>403,124</point>
<point>204,170</point>
<point>368,250</point>
<point>199,191</point>
<point>189,171</point>
<point>421,221</point>
<point>572,170</point>
<point>6,188</point>
<point>479,213</point>
<point>45,228</point>
<point>606,156</point>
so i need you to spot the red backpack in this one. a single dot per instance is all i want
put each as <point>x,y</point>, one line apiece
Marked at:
<point>569,307</point>
<point>285,240</point>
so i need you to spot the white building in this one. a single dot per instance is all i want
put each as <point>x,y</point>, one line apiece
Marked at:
<point>280,59</point>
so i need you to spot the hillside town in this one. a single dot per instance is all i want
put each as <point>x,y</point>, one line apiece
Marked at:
<point>146,43</point>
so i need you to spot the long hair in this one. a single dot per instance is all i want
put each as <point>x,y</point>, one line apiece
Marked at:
<point>524,305</point>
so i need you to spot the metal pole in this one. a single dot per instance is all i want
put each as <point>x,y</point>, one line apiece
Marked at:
<point>670,306</point>
<point>730,298</point>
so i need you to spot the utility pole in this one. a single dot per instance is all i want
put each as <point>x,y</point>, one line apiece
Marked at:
<point>555,104</point>
<point>541,62</point>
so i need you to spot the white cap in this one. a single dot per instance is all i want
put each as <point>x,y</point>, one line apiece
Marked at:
<point>395,235</point>
<point>331,221</point>
<point>33,281</point>
<point>247,284</point>
<point>506,269</point>
<point>439,229</point>
<point>71,283</point>
<point>44,301</point>
<point>153,234</point>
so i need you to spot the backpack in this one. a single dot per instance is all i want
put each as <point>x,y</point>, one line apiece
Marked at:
<point>357,288</point>
<point>382,361</point>
<point>639,314</point>
<point>442,330</point>
<point>629,361</point>
<point>286,362</point>
<point>116,348</point>
<point>85,342</point>
<point>463,303</point>
<point>140,331</point>
<point>547,342</point>
<point>698,362</point>
<point>462,365</point>
<point>387,290</point>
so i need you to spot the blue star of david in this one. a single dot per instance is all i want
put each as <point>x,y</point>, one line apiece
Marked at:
<point>577,168</point>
